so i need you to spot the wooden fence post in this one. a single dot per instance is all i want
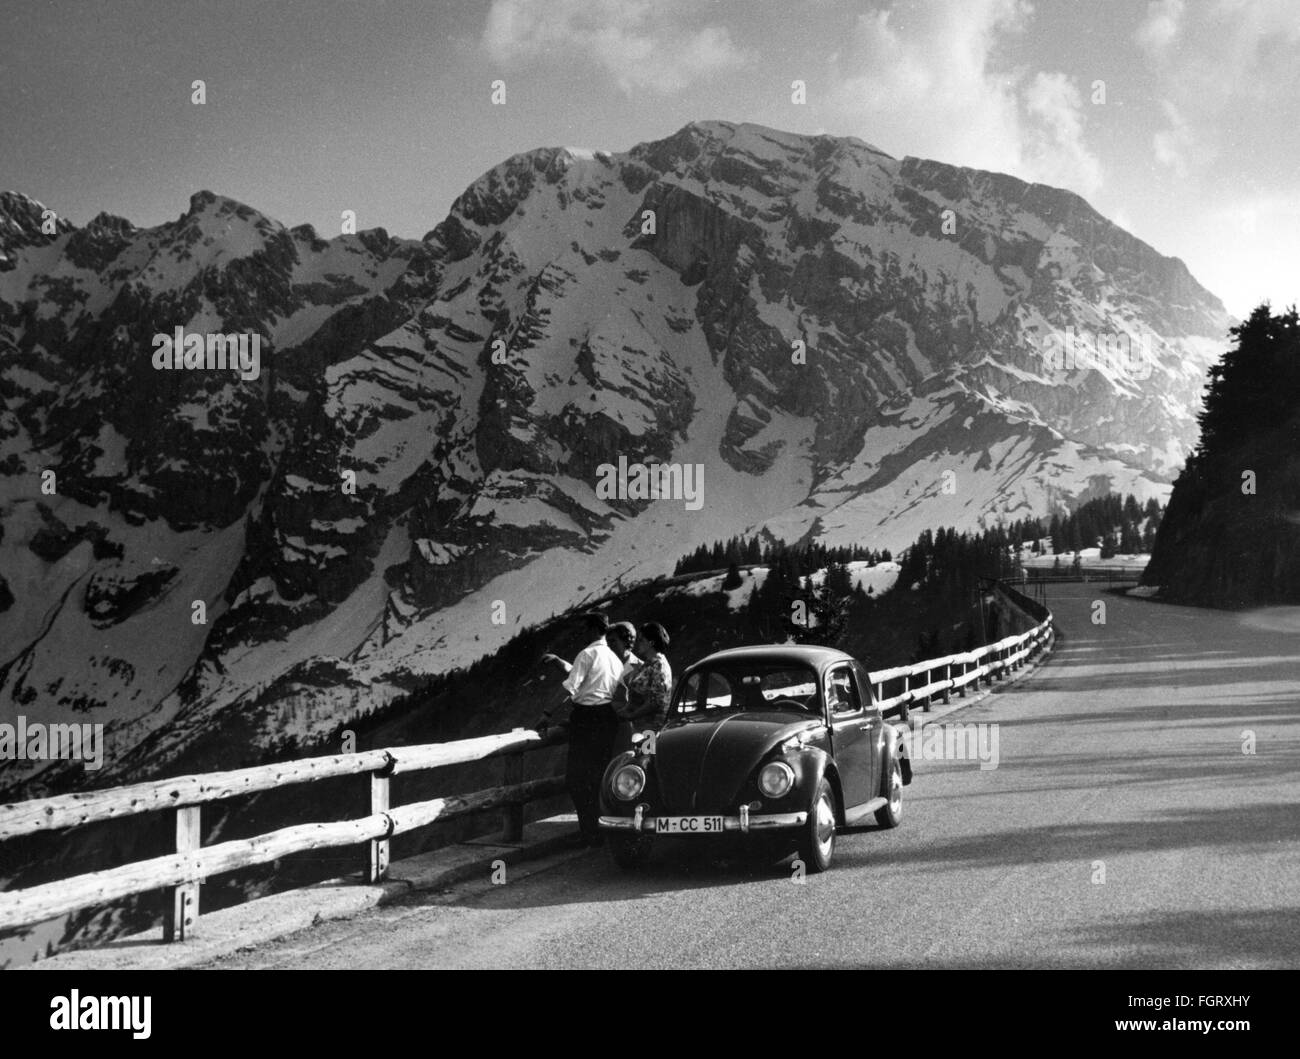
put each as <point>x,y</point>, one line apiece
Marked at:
<point>377,870</point>
<point>947,677</point>
<point>183,910</point>
<point>512,816</point>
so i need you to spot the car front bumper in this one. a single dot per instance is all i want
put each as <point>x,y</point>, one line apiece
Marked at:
<point>744,822</point>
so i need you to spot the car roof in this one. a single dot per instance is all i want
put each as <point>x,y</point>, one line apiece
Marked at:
<point>817,657</point>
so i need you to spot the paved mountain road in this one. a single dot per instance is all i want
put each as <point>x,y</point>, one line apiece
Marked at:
<point>1123,827</point>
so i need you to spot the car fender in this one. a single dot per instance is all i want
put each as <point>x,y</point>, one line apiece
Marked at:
<point>896,746</point>
<point>814,764</point>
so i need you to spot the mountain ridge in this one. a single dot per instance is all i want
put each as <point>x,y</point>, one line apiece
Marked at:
<point>473,382</point>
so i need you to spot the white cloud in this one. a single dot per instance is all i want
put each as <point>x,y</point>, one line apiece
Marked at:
<point>1173,145</point>
<point>1160,27</point>
<point>925,81</point>
<point>629,39</point>
<point>1056,152</point>
<point>1216,65</point>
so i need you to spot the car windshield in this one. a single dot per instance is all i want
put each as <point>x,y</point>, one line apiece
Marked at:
<point>748,686</point>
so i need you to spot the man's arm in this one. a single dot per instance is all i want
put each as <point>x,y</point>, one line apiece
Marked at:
<point>579,670</point>
<point>579,666</point>
<point>577,674</point>
<point>556,658</point>
<point>553,698</point>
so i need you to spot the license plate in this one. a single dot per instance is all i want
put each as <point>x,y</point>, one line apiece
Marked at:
<point>689,825</point>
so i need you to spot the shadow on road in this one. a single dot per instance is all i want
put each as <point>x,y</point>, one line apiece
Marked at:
<point>675,867</point>
<point>1254,709</point>
<point>1257,825</point>
<point>1122,668</point>
<point>1267,938</point>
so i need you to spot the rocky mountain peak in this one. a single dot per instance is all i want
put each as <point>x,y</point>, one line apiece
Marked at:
<point>20,208</point>
<point>851,347</point>
<point>111,222</point>
<point>21,222</point>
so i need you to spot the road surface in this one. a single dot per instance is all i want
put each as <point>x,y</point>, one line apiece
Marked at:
<point>1126,825</point>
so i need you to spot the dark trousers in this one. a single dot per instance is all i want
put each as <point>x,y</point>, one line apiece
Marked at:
<point>592,733</point>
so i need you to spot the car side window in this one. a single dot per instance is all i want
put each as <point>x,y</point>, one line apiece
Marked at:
<point>864,686</point>
<point>842,692</point>
<point>703,692</point>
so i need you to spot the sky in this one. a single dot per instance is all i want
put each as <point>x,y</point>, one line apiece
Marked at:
<point>1178,119</point>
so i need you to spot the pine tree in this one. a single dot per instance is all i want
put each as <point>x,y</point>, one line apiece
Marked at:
<point>1257,381</point>
<point>733,579</point>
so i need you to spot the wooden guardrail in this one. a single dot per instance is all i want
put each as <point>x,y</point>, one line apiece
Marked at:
<point>940,677</point>
<point>183,871</point>
<point>1083,573</point>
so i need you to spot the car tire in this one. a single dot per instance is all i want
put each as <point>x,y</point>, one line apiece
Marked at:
<point>817,841</point>
<point>630,852</point>
<point>891,813</point>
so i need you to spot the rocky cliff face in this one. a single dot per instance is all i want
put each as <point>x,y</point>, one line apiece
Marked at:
<point>848,345</point>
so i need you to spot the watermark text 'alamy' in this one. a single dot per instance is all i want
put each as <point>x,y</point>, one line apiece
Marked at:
<point>655,481</point>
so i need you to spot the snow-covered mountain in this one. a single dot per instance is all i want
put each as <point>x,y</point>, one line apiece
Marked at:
<point>844,344</point>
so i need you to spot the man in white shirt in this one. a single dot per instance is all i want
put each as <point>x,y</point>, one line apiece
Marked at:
<point>593,725</point>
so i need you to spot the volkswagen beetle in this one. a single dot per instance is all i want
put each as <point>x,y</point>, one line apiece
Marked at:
<point>781,741</point>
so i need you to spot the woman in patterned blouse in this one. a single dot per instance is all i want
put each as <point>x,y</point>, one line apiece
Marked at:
<point>650,684</point>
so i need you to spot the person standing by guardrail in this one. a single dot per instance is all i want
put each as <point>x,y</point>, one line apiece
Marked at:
<point>593,725</point>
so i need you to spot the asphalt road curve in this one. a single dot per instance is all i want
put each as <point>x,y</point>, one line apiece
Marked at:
<point>1126,825</point>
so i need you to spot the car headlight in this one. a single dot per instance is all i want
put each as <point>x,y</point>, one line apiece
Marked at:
<point>628,782</point>
<point>775,779</point>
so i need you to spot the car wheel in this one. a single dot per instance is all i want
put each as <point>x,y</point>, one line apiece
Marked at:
<point>630,852</point>
<point>889,814</point>
<point>817,843</point>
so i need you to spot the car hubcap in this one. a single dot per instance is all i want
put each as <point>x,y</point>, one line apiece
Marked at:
<point>825,826</point>
<point>896,791</point>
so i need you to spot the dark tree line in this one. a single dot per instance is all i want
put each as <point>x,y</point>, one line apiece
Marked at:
<point>952,560</point>
<point>941,571</point>
<point>1116,526</point>
<point>753,551</point>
